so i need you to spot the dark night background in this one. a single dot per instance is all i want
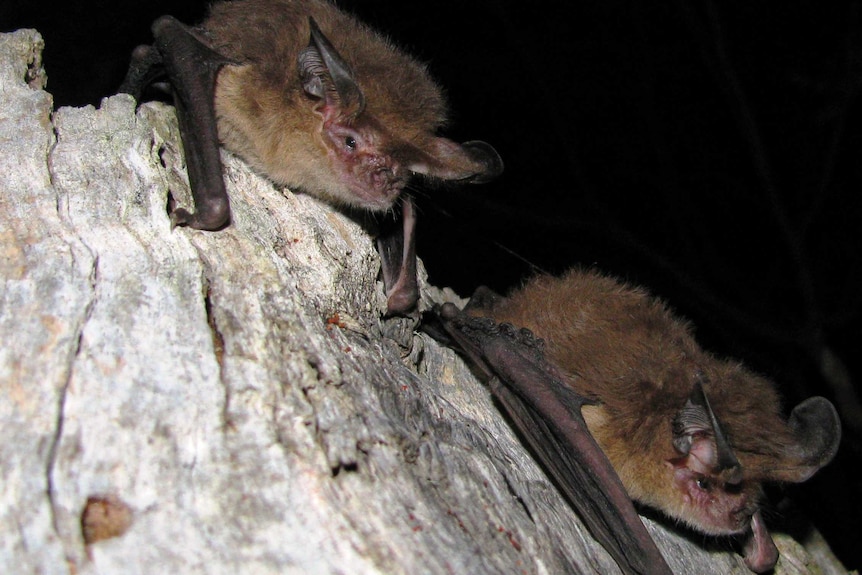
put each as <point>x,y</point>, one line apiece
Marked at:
<point>710,151</point>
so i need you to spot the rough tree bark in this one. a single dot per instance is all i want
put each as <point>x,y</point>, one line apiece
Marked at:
<point>177,401</point>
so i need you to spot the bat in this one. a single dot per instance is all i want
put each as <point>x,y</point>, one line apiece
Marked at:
<point>620,403</point>
<point>314,100</point>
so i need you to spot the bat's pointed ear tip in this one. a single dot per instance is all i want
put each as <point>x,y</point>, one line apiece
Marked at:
<point>485,154</point>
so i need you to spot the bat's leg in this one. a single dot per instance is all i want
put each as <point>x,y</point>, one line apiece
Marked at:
<point>397,250</point>
<point>191,68</point>
<point>548,414</point>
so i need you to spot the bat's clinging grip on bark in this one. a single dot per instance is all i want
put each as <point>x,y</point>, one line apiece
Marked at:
<point>314,100</point>
<point>618,401</point>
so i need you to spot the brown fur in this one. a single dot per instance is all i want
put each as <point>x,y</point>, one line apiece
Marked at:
<point>620,346</point>
<point>265,117</point>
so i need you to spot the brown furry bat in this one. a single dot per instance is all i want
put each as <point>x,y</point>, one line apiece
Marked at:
<point>314,100</point>
<point>687,433</point>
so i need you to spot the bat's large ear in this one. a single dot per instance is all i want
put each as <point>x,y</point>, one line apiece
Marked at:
<point>475,162</point>
<point>325,75</point>
<point>817,432</point>
<point>698,435</point>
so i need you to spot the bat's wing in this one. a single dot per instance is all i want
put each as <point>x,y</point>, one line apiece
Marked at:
<point>191,68</point>
<point>397,248</point>
<point>548,415</point>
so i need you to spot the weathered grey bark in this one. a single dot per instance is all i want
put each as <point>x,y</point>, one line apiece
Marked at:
<point>177,401</point>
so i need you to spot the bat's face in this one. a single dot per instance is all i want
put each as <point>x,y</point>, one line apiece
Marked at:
<point>709,503</point>
<point>367,166</point>
<point>688,433</point>
<point>727,437</point>
<point>718,498</point>
<point>714,491</point>
<point>681,458</point>
<point>349,142</point>
<point>362,173</point>
<point>705,437</point>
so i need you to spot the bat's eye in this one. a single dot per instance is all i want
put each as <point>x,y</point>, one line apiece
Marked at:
<point>704,483</point>
<point>350,142</point>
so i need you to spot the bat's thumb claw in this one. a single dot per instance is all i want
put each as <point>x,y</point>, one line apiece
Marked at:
<point>179,217</point>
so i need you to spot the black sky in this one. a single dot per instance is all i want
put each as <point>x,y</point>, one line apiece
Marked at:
<point>708,150</point>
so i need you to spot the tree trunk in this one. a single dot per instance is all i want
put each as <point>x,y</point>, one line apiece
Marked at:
<point>178,401</point>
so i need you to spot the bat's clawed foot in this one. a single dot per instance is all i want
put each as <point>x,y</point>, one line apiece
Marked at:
<point>401,329</point>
